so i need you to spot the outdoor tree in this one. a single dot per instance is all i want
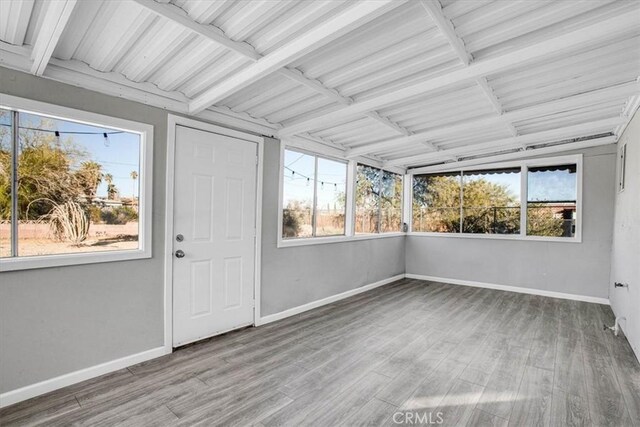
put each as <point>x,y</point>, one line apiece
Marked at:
<point>55,182</point>
<point>112,190</point>
<point>378,198</point>
<point>487,207</point>
<point>89,176</point>
<point>134,177</point>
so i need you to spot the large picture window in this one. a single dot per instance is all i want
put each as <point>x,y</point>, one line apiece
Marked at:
<point>69,188</point>
<point>378,201</point>
<point>314,196</point>
<point>490,201</point>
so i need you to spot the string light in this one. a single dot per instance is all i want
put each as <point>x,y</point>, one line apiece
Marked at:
<point>63,132</point>
<point>295,174</point>
<point>106,139</point>
<point>57,137</point>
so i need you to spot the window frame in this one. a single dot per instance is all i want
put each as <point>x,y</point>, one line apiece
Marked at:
<point>145,196</point>
<point>316,157</point>
<point>402,207</point>
<point>350,200</point>
<point>524,165</point>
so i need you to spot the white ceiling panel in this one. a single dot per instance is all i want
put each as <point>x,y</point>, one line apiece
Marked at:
<point>412,78</point>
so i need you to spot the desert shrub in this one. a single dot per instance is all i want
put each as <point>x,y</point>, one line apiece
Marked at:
<point>69,221</point>
<point>95,214</point>
<point>119,215</point>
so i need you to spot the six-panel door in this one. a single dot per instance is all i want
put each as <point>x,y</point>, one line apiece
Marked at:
<point>214,211</point>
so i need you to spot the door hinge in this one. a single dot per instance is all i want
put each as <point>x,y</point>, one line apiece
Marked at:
<point>257,160</point>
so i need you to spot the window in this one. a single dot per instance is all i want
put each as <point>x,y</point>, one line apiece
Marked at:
<point>551,201</point>
<point>436,203</point>
<point>71,190</point>
<point>314,196</point>
<point>489,201</point>
<point>378,201</point>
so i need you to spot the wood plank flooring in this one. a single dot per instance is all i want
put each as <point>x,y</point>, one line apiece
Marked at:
<point>406,353</point>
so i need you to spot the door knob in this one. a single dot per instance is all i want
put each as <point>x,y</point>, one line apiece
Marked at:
<point>179,253</point>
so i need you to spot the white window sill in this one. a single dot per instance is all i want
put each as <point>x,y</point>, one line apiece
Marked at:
<point>497,237</point>
<point>334,239</point>
<point>64,260</point>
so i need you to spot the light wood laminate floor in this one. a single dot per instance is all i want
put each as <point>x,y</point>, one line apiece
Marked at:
<point>408,352</point>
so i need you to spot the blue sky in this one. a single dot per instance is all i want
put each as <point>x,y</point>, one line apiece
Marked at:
<point>542,186</point>
<point>299,167</point>
<point>119,158</point>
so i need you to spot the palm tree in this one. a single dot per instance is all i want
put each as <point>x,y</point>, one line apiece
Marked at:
<point>134,177</point>
<point>90,176</point>
<point>112,191</point>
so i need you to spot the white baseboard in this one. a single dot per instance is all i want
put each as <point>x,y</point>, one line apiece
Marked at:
<point>33,390</point>
<point>319,303</point>
<point>518,289</point>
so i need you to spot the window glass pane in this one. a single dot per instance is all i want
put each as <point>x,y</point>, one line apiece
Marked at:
<point>491,201</point>
<point>297,194</point>
<point>551,201</point>
<point>5,183</point>
<point>331,201</point>
<point>391,202</point>
<point>436,203</point>
<point>367,199</point>
<point>78,189</point>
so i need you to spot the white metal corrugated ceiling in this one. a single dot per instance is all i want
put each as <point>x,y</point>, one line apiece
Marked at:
<point>404,82</point>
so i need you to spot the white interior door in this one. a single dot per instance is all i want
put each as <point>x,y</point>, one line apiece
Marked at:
<point>214,234</point>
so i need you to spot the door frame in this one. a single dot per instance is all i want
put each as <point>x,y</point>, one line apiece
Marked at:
<point>173,122</point>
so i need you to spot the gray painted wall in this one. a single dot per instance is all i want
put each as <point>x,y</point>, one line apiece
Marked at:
<point>625,255</point>
<point>574,268</point>
<point>298,275</point>
<point>57,320</point>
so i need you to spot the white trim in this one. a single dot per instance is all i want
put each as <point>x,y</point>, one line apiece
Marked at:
<point>145,185</point>
<point>328,300</point>
<point>172,122</point>
<point>407,201</point>
<point>496,237</point>
<point>279,239</point>
<point>521,290</point>
<point>350,214</point>
<point>287,243</point>
<point>33,390</point>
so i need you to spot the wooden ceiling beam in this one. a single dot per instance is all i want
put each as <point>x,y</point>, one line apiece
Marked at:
<point>598,31</point>
<point>56,17</point>
<point>356,15</point>
<point>574,131</point>
<point>215,35</point>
